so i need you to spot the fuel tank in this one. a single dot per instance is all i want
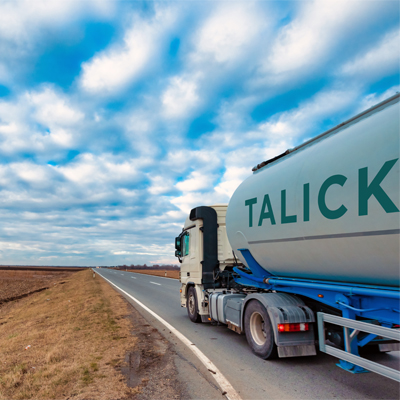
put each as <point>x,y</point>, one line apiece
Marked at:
<point>328,209</point>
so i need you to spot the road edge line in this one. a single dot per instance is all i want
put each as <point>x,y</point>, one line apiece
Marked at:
<point>222,382</point>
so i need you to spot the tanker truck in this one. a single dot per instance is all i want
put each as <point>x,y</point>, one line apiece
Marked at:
<point>306,254</point>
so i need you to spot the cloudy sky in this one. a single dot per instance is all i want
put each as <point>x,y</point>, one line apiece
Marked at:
<point>117,118</point>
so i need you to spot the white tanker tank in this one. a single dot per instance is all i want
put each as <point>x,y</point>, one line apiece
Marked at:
<point>328,209</point>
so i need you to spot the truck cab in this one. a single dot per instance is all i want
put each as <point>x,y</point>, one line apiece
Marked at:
<point>206,256</point>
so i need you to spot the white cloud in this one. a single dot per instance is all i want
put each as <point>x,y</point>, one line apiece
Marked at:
<point>188,201</point>
<point>52,109</point>
<point>177,216</point>
<point>374,98</point>
<point>122,252</point>
<point>38,177</point>
<point>15,132</point>
<point>9,129</point>
<point>118,66</point>
<point>208,160</point>
<point>5,178</point>
<point>381,60</point>
<point>40,120</point>
<point>180,97</point>
<point>98,170</point>
<point>196,181</point>
<point>313,35</point>
<point>127,193</point>
<point>231,179</point>
<point>62,137</point>
<point>229,31</point>
<point>31,172</point>
<point>141,129</point>
<point>20,246</point>
<point>291,125</point>
<point>160,184</point>
<point>21,20</point>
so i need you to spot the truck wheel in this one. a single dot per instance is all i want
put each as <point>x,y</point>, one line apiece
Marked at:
<point>192,306</point>
<point>259,332</point>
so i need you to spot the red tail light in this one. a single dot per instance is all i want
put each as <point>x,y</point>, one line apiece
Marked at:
<point>298,327</point>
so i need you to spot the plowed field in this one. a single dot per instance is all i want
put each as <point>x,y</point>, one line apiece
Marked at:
<point>16,283</point>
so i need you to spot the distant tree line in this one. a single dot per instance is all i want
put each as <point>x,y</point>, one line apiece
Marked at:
<point>168,267</point>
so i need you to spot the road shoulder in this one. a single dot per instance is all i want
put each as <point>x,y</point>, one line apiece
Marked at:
<point>162,366</point>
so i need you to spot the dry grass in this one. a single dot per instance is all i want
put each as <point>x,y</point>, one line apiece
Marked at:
<point>78,335</point>
<point>166,273</point>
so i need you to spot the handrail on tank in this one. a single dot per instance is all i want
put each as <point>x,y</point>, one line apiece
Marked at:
<point>353,362</point>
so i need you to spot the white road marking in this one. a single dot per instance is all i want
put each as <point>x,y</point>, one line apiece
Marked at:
<point>133,277</point>
<point>164,277</point>
<point>223,383</point>
<point>156,276</point>
<point>154,283</point>
<point>121,274</point>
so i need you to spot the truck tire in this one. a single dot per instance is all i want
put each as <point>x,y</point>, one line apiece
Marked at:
<point>192,305</point>
<point>259,332</point>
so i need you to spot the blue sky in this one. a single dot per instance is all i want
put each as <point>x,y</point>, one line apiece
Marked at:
<point>117,118</point>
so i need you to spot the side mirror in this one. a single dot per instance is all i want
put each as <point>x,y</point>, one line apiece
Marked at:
<point>178,244</point>
<point>179,255</point>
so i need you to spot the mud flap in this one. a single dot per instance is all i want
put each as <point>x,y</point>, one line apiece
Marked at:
<point>284,308</point>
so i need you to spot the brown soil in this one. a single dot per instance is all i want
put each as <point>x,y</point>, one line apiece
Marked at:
<point>166,273</point>
<point>42,268</point>
<point>16,284</point>
<point>150,366</point>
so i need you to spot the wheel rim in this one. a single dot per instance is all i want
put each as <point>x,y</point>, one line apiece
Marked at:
<point>257,328</point>
<point>191,304</point>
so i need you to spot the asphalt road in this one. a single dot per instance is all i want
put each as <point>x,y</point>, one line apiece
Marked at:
<point>315,377</point>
